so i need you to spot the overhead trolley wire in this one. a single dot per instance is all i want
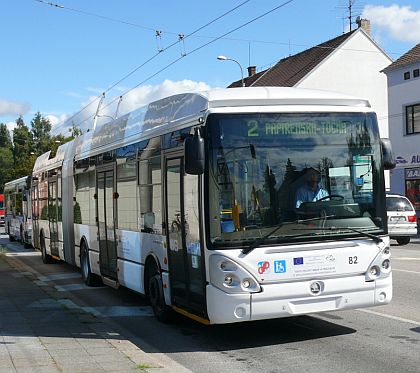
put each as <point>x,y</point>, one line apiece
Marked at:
<point>149,59</point>
<point>197,49</point>
<point>96,15</point>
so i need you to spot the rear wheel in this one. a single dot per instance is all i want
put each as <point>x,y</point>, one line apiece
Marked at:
<point>11,238</point>
<point>403,240</point>
<point>89,278</point>
<point>162,312</point>
<point>47,259</point>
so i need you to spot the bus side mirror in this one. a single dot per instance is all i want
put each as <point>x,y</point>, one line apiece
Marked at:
<point>194,154</point>
<point>387,154</point>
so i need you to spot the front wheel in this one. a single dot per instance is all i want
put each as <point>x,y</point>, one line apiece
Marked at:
<point>162,312</point>
<point>403,240</point>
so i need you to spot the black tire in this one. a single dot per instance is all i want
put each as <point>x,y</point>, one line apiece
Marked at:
<point>403,240</point>
<point>89,278</point>
<point>11,238</point>
<point>22,240</point>
<point>162,312</point>
<point>47,259</point>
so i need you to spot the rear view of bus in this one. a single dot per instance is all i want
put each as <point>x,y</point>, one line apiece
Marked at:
<point>272,254</point>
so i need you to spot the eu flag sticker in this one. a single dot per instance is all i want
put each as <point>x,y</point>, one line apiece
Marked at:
<point>298,261</point>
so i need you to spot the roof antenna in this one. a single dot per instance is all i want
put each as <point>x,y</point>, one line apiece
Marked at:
<point>351,2</point>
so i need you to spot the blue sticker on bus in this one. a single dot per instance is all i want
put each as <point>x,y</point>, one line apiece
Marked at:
<point>298,261</point>
<point>280,266</point>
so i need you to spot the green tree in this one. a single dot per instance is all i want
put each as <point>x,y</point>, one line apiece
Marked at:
<point>23,158</point>
<point>41,128</point>
<point>5,140</point>
<point>55,142</point>
<point>6,156</point>
<point>75,132</point>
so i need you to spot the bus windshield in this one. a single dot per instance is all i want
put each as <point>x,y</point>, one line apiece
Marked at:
<point>314,176</point>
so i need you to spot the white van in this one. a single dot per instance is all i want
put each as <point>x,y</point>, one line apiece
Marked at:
<point>402,218</point>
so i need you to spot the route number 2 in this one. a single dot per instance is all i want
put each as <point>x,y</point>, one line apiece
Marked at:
<point>252,128</point>
<point>352,259</point>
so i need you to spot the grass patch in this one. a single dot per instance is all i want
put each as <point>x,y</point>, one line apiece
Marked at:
<point>143,366</point>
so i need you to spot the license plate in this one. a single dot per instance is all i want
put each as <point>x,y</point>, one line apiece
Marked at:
<point>398,218</point>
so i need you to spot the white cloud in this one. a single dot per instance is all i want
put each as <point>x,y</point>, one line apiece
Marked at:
<point>132,100</point>
<point>400,22</point>
<point>13,108</point>
<point>11,126</point>
<point>145,94</point>
<point>55,119</point>
<point>95,90</point>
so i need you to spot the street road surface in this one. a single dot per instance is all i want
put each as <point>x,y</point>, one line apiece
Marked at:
<point>379,339</point>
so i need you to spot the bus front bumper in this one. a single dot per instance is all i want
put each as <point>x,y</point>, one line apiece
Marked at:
<point>295,298</point>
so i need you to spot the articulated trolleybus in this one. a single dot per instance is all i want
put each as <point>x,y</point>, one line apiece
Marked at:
<point>191,201</point>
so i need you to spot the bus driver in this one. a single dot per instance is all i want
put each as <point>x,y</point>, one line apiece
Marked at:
<point>310,191</point>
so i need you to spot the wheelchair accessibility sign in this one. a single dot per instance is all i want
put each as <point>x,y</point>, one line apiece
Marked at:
<point>279,266</point>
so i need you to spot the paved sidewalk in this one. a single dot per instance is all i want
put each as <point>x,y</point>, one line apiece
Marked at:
<point>39,332</point>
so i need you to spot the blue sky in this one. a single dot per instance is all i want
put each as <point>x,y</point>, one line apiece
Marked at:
<point>58,59</point>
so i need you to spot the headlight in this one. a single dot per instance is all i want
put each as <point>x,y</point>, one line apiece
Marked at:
<point>381,266</point>
<point>229,276</point>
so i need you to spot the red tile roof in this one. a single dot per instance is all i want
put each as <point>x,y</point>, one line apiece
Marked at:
<point>290,70</point>
<point>412,56</point>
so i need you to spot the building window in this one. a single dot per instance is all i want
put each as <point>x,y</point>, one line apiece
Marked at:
<point>416,73</point>
<point>412,115</point>
<point>406,75</point>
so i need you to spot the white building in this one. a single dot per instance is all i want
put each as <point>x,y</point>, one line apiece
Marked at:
<point>404,123</point>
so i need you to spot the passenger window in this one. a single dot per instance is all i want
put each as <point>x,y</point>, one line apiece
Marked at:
<point>150,188</point>
<point>126,188</point>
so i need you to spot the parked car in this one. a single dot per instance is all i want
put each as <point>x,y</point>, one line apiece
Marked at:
<point>402,218</point>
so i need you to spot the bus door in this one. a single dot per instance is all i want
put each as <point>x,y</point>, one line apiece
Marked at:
<point>53,215</point>
<point>35,215</point>
<point>185,253</point>
<point>105,180</point>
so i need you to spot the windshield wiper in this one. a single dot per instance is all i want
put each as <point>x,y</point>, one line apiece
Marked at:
<point>261,240</point>
<point>363,233</point>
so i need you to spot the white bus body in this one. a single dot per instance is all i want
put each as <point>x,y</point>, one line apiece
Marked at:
<point>18,214</point>
<point>117,203</point>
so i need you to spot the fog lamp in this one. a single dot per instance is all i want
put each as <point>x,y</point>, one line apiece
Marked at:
<point>228,280</point>
<point>386,264</point>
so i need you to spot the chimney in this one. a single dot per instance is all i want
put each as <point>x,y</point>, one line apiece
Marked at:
<point>364,24</point>
<point>251,71</point>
